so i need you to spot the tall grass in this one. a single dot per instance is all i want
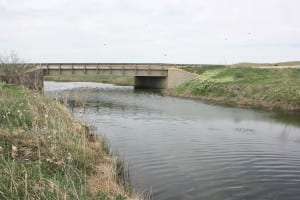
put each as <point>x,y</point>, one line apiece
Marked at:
<point>46,154</point>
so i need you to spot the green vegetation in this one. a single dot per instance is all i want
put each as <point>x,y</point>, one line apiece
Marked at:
<point>290,63</point>
<point>13,71</point>
<point>10,70</point>
<point>117,80</point>
<point>271,89</point>
<point>202,69</point>
<point>46,154</point>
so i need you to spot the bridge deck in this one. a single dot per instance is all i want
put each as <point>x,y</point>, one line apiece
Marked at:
<point>107,69</point>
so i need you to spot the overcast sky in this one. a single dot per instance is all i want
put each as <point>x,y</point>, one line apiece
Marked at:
<point>175,31</point>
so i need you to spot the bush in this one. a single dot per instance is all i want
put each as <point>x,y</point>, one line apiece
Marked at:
<point>11,69</point>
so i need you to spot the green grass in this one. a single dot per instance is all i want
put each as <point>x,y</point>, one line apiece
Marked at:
<point>117,80</point>
<point>272,89</point>
<point>46,154</point>
<point>248,64</point>
<point>202,69</point>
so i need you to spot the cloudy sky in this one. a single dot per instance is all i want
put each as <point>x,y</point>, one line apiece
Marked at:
<point>174,31</point>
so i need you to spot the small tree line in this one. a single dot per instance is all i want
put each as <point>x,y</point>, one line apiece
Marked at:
<point>11,68</point>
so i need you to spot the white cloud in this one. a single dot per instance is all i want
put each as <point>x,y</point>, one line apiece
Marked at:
<point>21,5</point>
<point>190,31</point>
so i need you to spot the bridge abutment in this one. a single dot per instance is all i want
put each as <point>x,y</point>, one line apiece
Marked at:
<point>177,77</point>
<point>174,79</point>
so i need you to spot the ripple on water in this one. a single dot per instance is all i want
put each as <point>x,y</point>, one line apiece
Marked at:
<point>184,149</point>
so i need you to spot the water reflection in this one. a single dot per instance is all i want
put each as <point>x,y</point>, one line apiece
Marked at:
<point>184,149</point>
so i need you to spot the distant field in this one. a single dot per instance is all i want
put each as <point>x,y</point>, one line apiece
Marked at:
<point>286,64</point>
<point>202,69</point>
<point>117,80</point>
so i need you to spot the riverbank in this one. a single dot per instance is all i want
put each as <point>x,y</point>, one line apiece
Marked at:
<point>46,154</point>
<point>269,89</point>
<point>116,80</point>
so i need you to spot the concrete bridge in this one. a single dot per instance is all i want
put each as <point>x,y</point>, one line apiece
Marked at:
<point>146,75</point>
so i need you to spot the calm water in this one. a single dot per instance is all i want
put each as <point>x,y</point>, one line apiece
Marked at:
<point>185,149</point>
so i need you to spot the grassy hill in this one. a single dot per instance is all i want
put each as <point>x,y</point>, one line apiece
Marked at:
<point>271,89</point>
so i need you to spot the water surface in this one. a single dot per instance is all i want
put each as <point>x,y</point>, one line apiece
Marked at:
<point>185,149</point>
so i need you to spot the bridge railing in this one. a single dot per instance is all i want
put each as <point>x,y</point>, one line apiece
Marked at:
<point>105,69</point>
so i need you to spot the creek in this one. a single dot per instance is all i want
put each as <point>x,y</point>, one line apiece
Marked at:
<point>186,149</point>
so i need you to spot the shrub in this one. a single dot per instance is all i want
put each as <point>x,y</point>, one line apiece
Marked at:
<point>11,69</point>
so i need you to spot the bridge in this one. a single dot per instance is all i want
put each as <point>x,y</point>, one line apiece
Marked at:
<point>146,75</point>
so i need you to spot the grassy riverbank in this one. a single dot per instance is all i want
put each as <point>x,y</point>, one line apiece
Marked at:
<point>271,89</point>
<point>116,80</point>
<point>46,154</point>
